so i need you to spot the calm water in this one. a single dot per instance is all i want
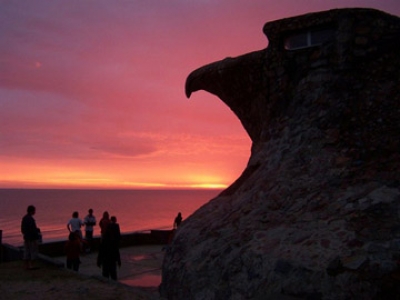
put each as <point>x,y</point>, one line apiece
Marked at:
<point>136,210</point>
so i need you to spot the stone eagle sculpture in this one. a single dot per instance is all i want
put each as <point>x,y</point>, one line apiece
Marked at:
<point>316,213</point>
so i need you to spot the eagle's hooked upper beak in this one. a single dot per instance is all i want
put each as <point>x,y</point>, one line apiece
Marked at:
<point>236,81</point>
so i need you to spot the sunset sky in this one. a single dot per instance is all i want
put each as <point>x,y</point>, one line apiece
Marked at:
<point>92,92</point>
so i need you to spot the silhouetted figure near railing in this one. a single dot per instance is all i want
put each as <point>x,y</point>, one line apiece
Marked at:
<point>31,235</point>
<point>105,220</point>
<point>89,221</point>
<point>75,224</point>
<point>73,249</point>
<point>109,255</point>
<point>178,220</point>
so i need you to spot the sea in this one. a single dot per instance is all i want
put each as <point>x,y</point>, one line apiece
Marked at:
<point>136,210</point>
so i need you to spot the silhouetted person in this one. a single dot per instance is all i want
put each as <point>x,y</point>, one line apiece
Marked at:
<point>105,220</point>
<point>75,224</point>
<point>89,222</point>
<point>109,255</point>
<point>73,249</point>
<point>113,232</point>
<point>177,220</point>
<point>31,236</point>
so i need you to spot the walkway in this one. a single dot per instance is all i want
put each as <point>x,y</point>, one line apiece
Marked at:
<point>141,265</point>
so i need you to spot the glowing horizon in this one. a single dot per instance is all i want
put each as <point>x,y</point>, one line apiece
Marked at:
<point>105,183</point>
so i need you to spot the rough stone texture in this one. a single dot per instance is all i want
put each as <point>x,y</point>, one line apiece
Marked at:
<point>316,213</point>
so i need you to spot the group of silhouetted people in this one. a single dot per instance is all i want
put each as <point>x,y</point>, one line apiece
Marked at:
<point>108,255</point>
<point>76,244</point>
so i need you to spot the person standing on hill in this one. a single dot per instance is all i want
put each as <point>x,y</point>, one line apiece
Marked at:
<point>109,256</point>
<point>177,220</point>
<point>73,249</point>
<point>31,236</point>
<point>105,220</point>
<point>113,232</point>
<point>89,221</point>
<point>75,224</point>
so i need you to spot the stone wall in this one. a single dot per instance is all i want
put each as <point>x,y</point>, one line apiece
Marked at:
<point>316,213</point>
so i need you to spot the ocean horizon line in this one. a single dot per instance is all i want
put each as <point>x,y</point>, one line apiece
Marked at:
<point>116,189</point>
